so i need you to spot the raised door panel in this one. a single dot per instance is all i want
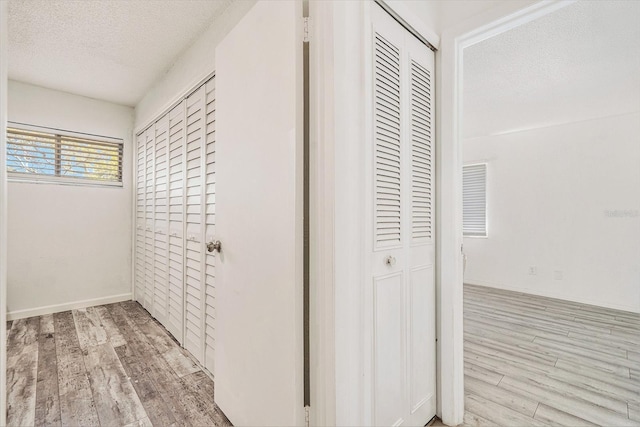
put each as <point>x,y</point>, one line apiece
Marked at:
<point>389,350</point>
<point>194,313</point>
<point>176,212</point>
<point>209,224</point>
<point>140,218</point>
<point>161,279</point>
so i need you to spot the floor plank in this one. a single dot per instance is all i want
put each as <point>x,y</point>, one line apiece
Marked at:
<point>22,371</point>
<point>77,407</point>
<point>554,417</point>
<point>116,400</point>
<point>47,396</point>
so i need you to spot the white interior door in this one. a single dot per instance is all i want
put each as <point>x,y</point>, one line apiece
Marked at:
<point>258,357</point>
<point>402,289</point>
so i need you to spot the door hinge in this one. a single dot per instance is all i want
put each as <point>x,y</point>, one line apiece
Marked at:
<point>306,35</point>
<point>307,416</point>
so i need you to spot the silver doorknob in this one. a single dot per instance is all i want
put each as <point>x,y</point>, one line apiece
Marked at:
<point>215,245</point>
<point>390,260</point>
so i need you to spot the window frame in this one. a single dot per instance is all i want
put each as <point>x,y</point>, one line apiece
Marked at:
<point>486,201</point>
<point>59,134</point>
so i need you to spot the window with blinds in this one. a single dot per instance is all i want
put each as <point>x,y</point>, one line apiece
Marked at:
<point>474,200</point>
<point>41,154</point>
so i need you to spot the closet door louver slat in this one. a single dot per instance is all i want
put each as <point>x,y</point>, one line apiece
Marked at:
<point>175,320</point>
<point>421,153</point>
<point>140,218</point>
<point>209,223</point>
<point>387,144</point>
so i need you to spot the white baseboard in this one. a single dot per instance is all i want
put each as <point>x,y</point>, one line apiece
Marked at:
<point>557,295</point>
<point>50,309</point>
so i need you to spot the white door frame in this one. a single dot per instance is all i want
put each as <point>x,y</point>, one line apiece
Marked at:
<point>449,74</point>
<point>4,44</point>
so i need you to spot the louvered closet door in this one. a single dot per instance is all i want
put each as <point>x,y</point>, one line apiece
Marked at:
<point>402,263</point>
<point>140,218</point>
<point>210,222</point>
<point>194,299</point>
<point>175,319</point>
<point>149,245</point>
<point>161,248</point>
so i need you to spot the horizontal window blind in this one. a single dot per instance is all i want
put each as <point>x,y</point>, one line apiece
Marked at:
<point>57,155</point>
<point>474,200</point>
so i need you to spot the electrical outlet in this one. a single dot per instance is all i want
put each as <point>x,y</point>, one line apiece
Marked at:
<point>557,275</point>
<point>533,270</point>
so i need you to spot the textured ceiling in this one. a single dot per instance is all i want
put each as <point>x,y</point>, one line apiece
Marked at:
<point>105,49</point>
<point>578,63</point>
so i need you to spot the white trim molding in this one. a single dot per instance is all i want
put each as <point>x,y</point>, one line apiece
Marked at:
<point>4,44</point>
<point>449,76</point>
<point>74,305</point>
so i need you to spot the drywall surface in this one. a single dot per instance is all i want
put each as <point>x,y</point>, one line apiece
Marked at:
<point>68,244</point>
<point>563,212</point>
<point>455,12</point>
<point>193,65</point>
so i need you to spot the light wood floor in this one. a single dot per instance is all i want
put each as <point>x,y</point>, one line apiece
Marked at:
<point>110,365</point>
<point>533,361</point>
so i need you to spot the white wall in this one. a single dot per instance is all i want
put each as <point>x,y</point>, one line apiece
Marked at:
<point>196,63</point>
<point>67,244</point>
<point>563,199</point>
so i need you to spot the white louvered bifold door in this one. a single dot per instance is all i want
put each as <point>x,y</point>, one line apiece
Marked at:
<point>140,218</point>
<point>175,319</point>
<point>210,222</point>
<point>161,248</point>
<point>149,219</point>
<point>194,255</point>
<point>402,288</point>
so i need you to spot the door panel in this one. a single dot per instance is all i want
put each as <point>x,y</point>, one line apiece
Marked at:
<point>175,320</point>
<point>140,217</point>
<point>258,357</point>
<point>209,224</point>
<point>149,214</point>
<point>194,316</point>
<point>161,278</point>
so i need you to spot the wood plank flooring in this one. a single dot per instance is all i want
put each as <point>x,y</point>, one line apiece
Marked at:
<point>534,361</point>
<point>110,365</point>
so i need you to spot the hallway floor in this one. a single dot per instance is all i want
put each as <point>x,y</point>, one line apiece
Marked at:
<point>534,361</point>
<point>110,365</point>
